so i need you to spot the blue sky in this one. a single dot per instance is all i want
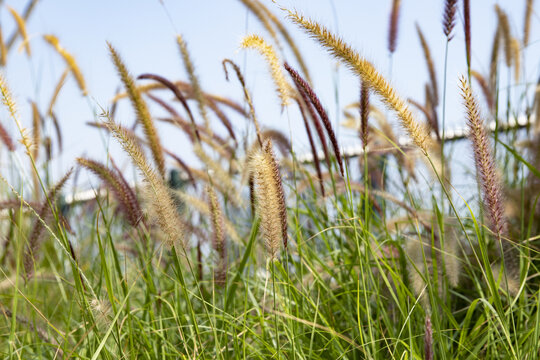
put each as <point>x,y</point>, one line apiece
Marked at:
<point>144,31</point>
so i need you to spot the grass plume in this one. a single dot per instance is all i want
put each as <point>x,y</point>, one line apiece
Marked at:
<point>123,193</point>
<point>504,25</point>
<point>393,26</point>
<point>193,79</point>
<point>267,51</point>
<point>430,65</point>
<point>162,207</point>
<point>141,109</point>
<point>304,87</point>
<point>270,198</point>
<point>3,49</point>
<point>364,114</point>
<point>21,27</point>
<point>484,162</point>
<point>6,138</point>
<point>467,30</point>
<point>527,21</point>
<point>449,18</point>
<point>369,74</point>
<point>70,62</point>
<point>218,237</point>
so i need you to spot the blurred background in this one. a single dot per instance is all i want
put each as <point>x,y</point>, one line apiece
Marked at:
<point>144,32</point>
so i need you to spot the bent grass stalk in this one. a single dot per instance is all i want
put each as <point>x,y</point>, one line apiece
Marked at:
<point>369,74</point>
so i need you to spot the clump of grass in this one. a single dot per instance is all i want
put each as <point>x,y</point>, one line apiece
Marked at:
<point>377,265</point>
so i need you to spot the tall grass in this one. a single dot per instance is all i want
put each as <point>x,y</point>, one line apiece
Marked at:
<point>379,258</point>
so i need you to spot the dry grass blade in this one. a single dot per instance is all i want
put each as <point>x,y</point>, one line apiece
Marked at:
<point>288,39</point>
<point>3,49</point>
<point>430,65</point>
<point>58,131</point>
<point>6,138</point>
<point>194,80</point>
<point>504,25</point>
<point>527,22</point>
<point>70,62</point>
<point>141,109</point>
<point>494,60</point>
<point>21,27</point>
<point>25,16</point>
<point>57,90</point>
<point>247,96</point>
<point>484,86</point>
<point>256,9</point>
